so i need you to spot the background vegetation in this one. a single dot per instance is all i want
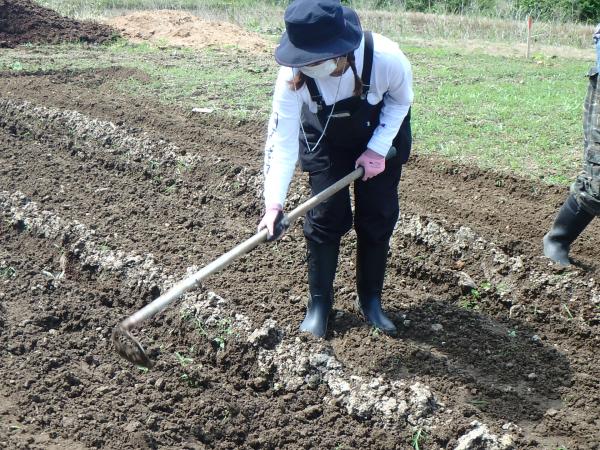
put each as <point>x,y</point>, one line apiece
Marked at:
<point>548,10</point>
<point>386,16</point>
<point>561,10</point>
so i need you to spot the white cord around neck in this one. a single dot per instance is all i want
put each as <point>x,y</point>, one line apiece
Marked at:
<point>310,150</point>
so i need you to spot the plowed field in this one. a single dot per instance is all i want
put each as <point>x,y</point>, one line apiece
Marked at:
<point>106,200</point>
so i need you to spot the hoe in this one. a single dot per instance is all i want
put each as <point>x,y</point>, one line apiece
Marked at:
<point>130,348</point>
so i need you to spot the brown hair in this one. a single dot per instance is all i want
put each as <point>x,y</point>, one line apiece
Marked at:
<point>299,79</point>
<point>358,85</point>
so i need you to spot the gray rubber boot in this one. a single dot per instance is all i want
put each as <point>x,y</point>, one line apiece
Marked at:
<point>322,264</point>
<point>371,261</point>
<point>568,225</point>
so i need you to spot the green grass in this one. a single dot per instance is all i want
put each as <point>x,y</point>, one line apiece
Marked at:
<point>183,360</point>
<point>220,79</point>
<point>417,438</point>
<point>471,300</point>
<point>568,311</point>
<point>504,113</point>
<point>212,79</point>
<point>228,80</point>
<point>142,369</point>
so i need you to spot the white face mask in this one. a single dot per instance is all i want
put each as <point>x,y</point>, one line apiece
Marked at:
<point>321,70</point>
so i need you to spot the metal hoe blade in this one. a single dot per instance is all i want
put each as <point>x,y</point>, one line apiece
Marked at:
<point>129,348</point>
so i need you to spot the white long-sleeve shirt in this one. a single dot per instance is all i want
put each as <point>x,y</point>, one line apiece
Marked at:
<point>391,81</point>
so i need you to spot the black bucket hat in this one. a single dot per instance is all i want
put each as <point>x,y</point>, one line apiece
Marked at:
<point>317,30</point>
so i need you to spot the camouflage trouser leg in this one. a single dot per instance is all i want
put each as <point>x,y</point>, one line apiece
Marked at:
<point>586,187</point>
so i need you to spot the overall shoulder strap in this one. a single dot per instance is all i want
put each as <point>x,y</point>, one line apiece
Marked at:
<point>315,95</point>
<point>367,63</point>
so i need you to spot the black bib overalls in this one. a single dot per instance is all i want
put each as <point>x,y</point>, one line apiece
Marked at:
<point>346,137</point>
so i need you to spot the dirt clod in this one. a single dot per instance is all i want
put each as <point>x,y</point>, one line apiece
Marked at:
<point>179,28</point>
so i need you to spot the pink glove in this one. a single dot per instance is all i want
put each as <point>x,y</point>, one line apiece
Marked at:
<point>372,162</point>
<point>268,220</point>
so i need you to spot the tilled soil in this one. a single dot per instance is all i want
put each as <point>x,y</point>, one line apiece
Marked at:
<point>24,21</point>
<point>497,347</point>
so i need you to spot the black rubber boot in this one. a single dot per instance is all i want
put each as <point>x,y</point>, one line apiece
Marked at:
<point>322,263</point>
<point>370,271</point>
<point>569,223</point>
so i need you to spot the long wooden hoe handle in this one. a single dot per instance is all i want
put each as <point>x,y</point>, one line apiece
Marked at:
<point>129,348</point>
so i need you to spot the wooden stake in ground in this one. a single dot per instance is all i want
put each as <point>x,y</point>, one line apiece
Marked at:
<point>529,24</point>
